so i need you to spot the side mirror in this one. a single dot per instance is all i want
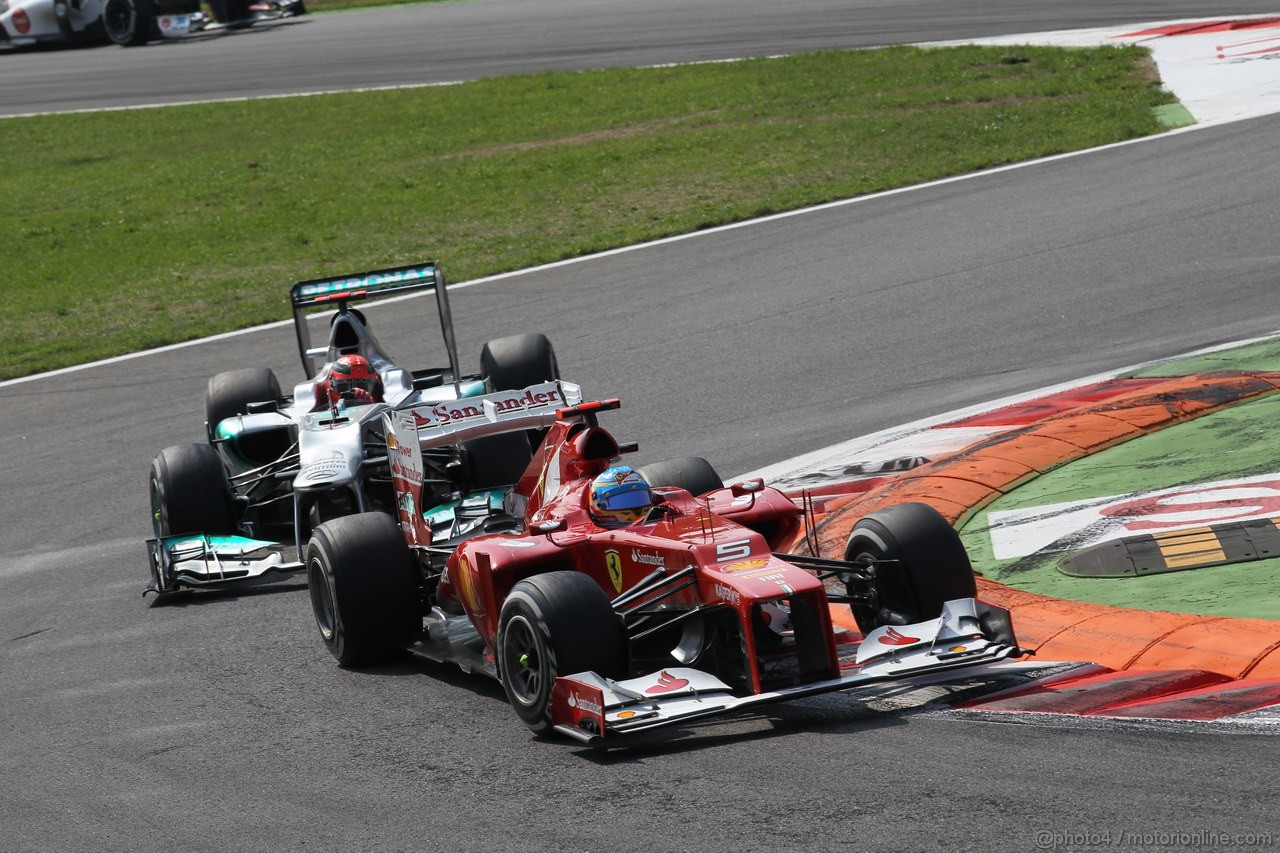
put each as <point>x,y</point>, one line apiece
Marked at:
<point>264,406</point>
<point>747,487</point>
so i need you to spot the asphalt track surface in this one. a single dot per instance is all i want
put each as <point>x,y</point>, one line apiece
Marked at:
<point>220,723</point>
<point>437,43</point>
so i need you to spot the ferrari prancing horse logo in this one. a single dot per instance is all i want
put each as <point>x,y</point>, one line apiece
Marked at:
<point>614,563</point>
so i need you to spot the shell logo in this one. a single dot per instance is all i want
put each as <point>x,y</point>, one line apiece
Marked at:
<point>467,586</point>
<point>746,565</point>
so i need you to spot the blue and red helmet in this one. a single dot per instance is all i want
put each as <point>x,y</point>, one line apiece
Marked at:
<point>619,497</point>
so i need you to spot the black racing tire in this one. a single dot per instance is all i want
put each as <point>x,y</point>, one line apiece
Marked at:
<point>230,11</point>
<point>238,14</point>
<point>62,15</point>
<point>230,393</point>
<point>518,362</point>
<point>555,624</point>
<point>496,460</point>
<point>930,565</point>
<point>692,473</point>
<point>363,585</point>
<point>190,492</point>
<point>128,22</point>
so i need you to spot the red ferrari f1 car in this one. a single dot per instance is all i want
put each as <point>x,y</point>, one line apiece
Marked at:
<point>598,632</point>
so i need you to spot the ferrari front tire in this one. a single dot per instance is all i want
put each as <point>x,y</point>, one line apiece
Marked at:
<point>554,624</point>
<point>363,586</point>
<point>920,565</point>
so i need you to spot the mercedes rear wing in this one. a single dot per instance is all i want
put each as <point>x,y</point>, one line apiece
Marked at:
<point>338,292</point>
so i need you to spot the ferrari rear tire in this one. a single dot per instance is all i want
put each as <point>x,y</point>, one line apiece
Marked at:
<point>363,586</point>
<point>555,624</point>
<point>497,460</point>
<point>128,22</point>
<point>231,392</point>
<point>692,473</point>
<point>190,492</point>
<point>519,361</point>
<point>924,565</point>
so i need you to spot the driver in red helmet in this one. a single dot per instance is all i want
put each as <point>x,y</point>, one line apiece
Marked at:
<point>351,380</point>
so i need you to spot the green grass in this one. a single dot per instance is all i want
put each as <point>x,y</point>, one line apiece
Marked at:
<point>129,230</point>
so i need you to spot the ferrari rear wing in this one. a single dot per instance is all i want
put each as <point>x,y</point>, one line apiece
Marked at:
<point>356,287</point>
<point>412,429</point>
<point>453,421</point>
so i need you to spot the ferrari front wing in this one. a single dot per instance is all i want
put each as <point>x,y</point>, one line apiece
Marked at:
<point>592,709</point>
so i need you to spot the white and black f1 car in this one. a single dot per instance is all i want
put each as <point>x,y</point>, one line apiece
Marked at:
<point>233,510</point>
<point>130,22</point>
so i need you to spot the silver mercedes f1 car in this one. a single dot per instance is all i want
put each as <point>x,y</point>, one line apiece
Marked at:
<point>237,508</point>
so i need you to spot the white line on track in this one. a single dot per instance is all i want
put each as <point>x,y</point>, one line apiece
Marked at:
<point>238,100</point>
<point>394,87</point>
